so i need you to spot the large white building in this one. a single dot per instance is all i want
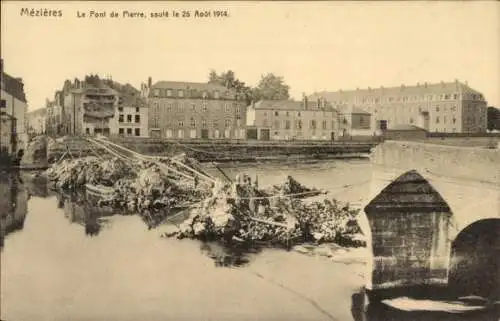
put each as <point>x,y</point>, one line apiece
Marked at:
<point>14,105</point>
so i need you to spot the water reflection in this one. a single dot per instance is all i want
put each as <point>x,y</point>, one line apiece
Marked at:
<point>13,204</point>
<point>82,209</point>
<point>235,255</point>
<point>380,312</point>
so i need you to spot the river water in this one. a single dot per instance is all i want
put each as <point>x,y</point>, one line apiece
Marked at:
<point>64,260</point>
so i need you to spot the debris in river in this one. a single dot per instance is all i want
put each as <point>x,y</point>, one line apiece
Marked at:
<point>240,211</point>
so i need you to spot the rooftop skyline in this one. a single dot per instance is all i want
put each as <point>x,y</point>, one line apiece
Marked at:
<point>315,46</point>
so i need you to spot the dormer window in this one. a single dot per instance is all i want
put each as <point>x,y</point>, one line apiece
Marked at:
<point>204,94</point>
<point>169,93</point>
<point>216,95</point>
<point>156,92</point>
<point>181,93</point>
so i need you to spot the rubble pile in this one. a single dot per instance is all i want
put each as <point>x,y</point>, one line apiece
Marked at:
<point>144,186</point>
<point>241,212</point>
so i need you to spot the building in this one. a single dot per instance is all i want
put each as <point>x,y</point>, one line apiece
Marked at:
<point>13,103</point>
<point>287,119</point>
<point>405,132</point>
<point>7,138</point>
<point>188,110</point>
<point>37,121</point>
<point>88,107</point>
<point>131,116</point>
<point>452,107</point>
<point>55,122</point>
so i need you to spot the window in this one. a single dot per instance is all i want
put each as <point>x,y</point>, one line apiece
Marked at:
<point>120,118</point>
<point>287,124</point>
<point>298,114</point>
<point>203,107</point>
<point>226,108</point>
<point>429,97</point>
<point>454,120</point>
<point>437,108</point>
<point>215,123</point>
<point>203,123</point>
<point>129,131</point>
<point>137,118</point>
<point>120,108</point>
<point>137,109</point>
<point>276,113</point>
<point>129,118</point>
<point>455,96</point>
<point>216,95</point>
<point>137,132</point>
<point>181,123</point>
<point>204,94</point>
<point>324,124</point>
<point>277,124</point>
<point>287,114</point>
<point>237,109</point>
<point>157,106</point>
<point>169,106</point>
<point>192,122</point>
<point>437,120</point>
<point>180,106</point>
<point>87,130</point>
<point>227,123</point>
<point>454,108</point>
<point>313,124</point>
<point>447,96</point>
<point>265,123</point>
<point>411,120</point>
<point>169,93</point>
<point>121,131</point>
<point>181,93</point>
<point>193,107</point>
<point>155,122</point>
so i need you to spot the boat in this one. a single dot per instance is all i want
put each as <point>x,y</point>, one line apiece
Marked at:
<point>99,190</point>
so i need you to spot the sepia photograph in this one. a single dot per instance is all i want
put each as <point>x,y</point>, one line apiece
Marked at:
<point>250,160</point>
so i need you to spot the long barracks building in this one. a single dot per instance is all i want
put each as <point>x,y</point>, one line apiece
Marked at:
<point>451,107</point>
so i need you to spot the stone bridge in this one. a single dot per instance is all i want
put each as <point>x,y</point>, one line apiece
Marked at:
<point>454,244</point>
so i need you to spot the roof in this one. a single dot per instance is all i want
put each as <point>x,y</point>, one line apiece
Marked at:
<point>289,105</point>
<point>410,193</point>
<point>199,86</point>
<point>356,110</point>
<point>405,127</point>
<point>13,86</point>
<point>419,89</point>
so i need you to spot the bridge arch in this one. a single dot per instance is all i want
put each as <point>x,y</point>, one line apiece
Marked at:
<point>475,260</point>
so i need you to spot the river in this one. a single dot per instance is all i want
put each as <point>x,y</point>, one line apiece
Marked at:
<point>63,260</point>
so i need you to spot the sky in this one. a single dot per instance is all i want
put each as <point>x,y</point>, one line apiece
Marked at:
<point>314,46</point>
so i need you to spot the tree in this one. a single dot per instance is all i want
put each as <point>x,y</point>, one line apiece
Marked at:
<point>493,118</point>
<point>271,87</point>
<point>229,80</point>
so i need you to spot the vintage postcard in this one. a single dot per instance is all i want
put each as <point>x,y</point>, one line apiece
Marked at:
<point>250,160</point>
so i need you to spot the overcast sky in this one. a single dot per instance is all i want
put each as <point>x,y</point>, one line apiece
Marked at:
<point>314,46</point>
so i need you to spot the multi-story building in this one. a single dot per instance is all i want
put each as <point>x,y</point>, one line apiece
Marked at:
<point>131,116</point>
<point>287,119</point>
<point>37,121</point>
<point>89,106</point>
<point>188,110</point>
<point>55,122</point>
<point>13,103</point>
<point>443,107</point>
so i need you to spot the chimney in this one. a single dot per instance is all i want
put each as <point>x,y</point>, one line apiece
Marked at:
<point>150,82</point>
<point>425,84</point>
<point>319,102</point>
<point>304,98</point>
<point>442,83</point>
<point>369,88</point>
<point>402,86</point>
